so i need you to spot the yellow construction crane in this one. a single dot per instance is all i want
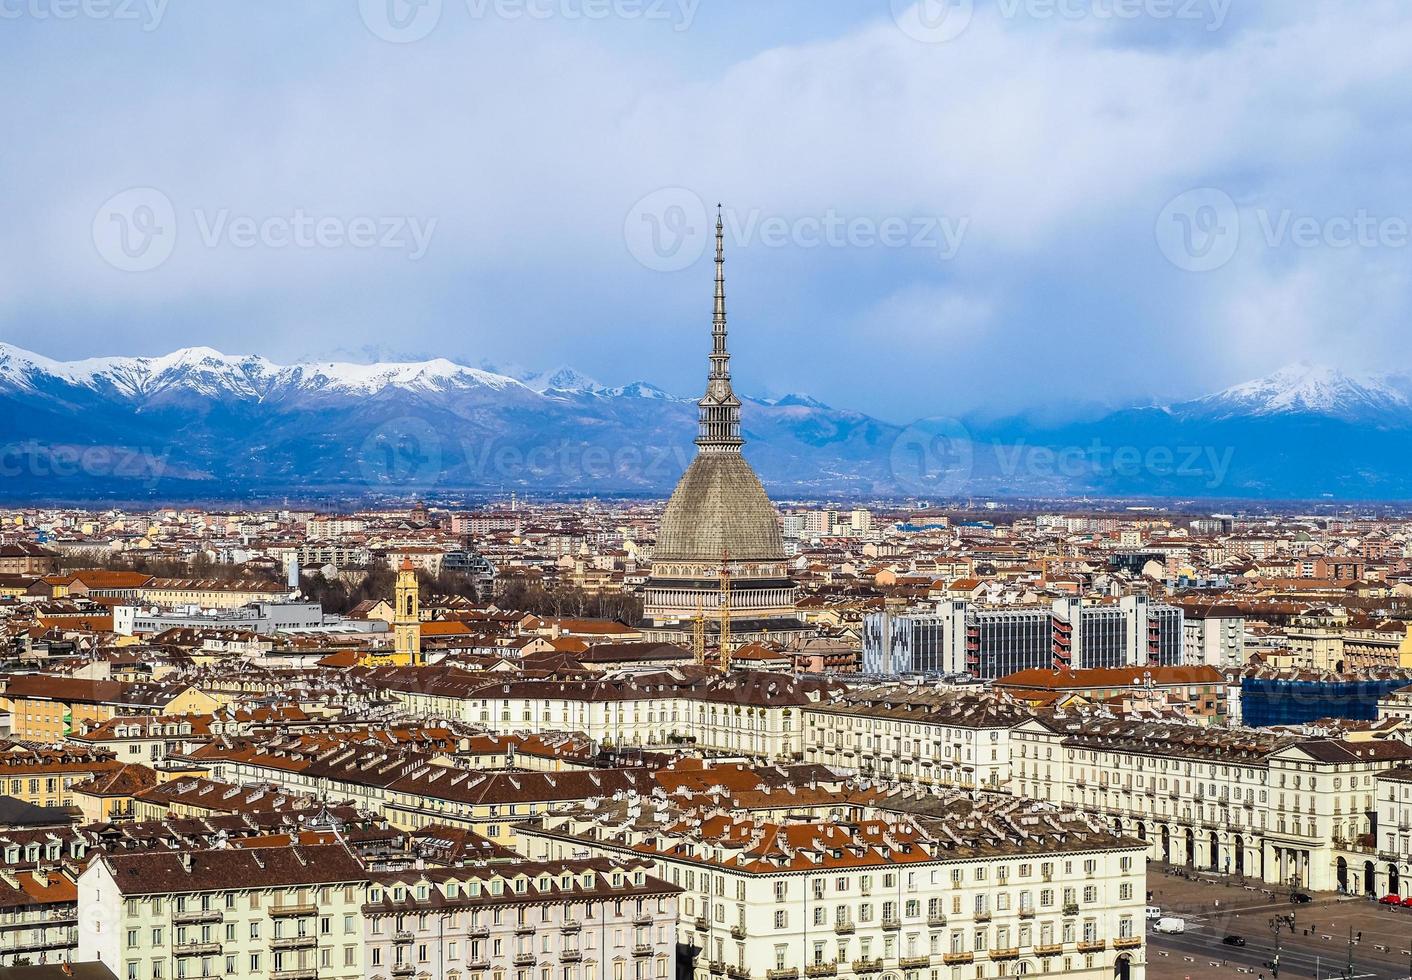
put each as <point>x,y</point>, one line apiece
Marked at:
<point>698,634</point>
<point>725,610</point>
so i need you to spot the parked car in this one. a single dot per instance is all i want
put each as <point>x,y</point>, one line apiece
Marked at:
<point>1390,900</point>
<point>1171,925</point>
<point>1234,940</point>
<point>1407,902</point>
<point>1301,898</point>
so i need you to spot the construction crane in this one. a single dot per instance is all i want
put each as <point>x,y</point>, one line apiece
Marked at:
<point>698,634</point>
<point>725,611</point>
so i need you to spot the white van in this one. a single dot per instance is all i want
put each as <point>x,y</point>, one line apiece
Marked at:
<point>1170,925</point>
<point>1153,913</point>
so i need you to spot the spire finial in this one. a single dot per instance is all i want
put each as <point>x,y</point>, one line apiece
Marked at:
<point>719,323</point>
<point>719,429</point>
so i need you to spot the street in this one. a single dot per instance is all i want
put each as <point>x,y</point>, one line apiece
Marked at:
<point>1317,948</point>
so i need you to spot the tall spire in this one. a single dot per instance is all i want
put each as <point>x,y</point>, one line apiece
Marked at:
<point>720,356</point>
<point>719,428</point>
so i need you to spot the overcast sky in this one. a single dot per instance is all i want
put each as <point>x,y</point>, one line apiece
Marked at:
<point>930,209</point>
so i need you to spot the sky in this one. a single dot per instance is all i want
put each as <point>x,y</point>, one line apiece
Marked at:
<point>957,205</point>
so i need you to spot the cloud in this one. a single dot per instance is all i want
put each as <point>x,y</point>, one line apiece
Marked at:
<point>1057,140</point>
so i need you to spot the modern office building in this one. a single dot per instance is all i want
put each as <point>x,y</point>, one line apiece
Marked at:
<point>961,637</point>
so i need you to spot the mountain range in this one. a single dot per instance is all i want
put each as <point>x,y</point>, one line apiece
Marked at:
<point>198,424</point>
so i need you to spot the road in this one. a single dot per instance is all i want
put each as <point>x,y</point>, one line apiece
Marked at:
<point>1320,955</point>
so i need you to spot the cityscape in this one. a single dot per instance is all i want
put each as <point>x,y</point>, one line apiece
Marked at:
<point>1065,632</point>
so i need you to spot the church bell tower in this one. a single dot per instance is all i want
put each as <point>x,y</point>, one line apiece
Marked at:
<point>407,615</point>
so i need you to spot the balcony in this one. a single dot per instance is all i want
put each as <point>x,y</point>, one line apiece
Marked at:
<point>914,962</point>
<point>787,973</point>
<point>829,969</point>
<point>1127,942</point>
<point>402,936</point>
<point>300,942</point>
<point>478,962</point>
<point>867,966</point>
<point>198,948</point>
<point>955,959</point>
<point>312,973</point>
<point>524,929</point>
<point>738,972</point>
<point>1027,912</point>
<point>642,949</point>
<point>1051,949</point>
<point>737,932</point>
<point>702,923</point>
<point>524,959</point>
<point>284,911</point>
<point>570,955</point>
<point>196,916</point>
<point>844,928</point>
<point>892,923</point>
<point>1093,946</point>
<point>568,925</point>
<point>642,920</point>
<point>1012,953</point>
<point>483,932</point>
<point>717,967</point>
<point>1071,908</point>
<point>403,970</point>
<point>936,921</point>
<point>982,916</point>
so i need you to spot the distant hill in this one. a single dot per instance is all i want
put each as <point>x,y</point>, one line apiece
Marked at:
<point>199,424</point>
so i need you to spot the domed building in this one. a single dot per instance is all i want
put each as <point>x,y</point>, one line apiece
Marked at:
<point>719,520</point>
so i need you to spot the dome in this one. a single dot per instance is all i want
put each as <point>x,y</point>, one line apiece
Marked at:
<point>718,508</point>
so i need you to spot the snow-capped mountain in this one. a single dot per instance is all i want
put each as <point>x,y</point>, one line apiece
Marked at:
<point>208,372</point>
<point>223,423</point>
<point>198,424</point>
<point>1309,389</point>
